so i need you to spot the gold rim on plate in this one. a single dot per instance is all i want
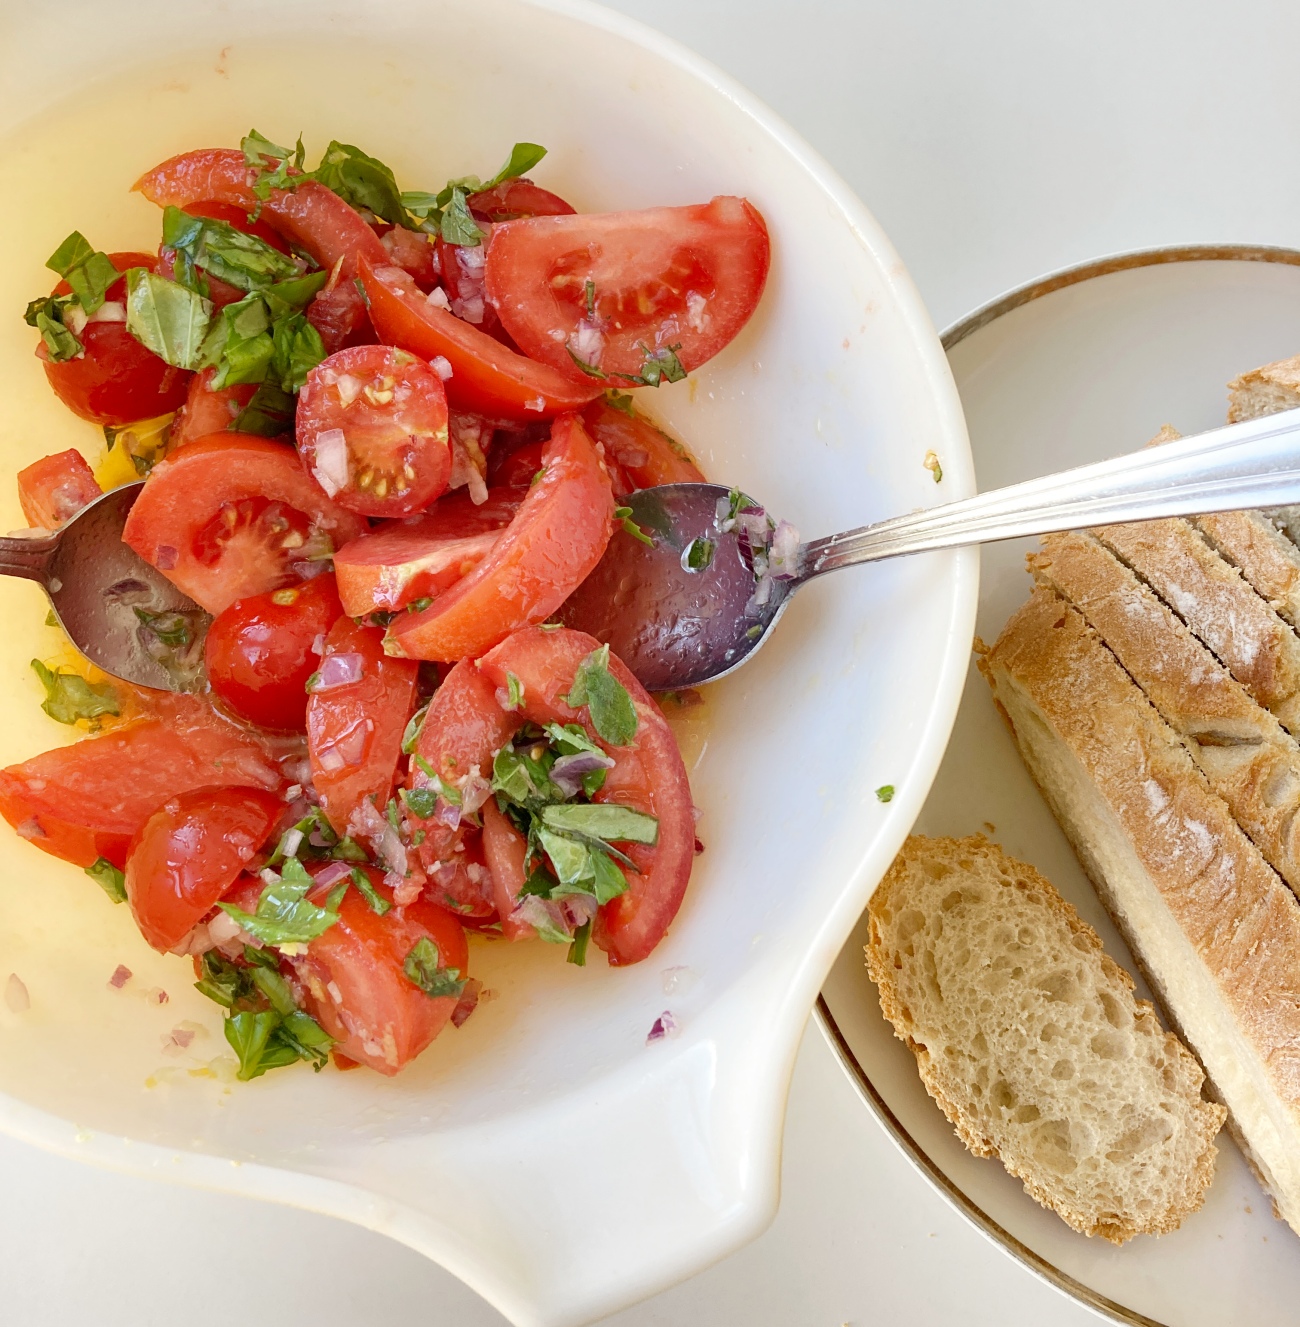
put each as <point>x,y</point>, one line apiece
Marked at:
<point>952,336</point>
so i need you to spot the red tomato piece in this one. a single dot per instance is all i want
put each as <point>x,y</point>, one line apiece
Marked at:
<point>55,488</point>
<point>189,852</point>
<point>403,561</point>
<point>512,199</point>
<point>555,539</point>
<point>487,378</point>
<point>116,380</point>
<point>356,987</point>
<point>645,454</point>
<point>413,251</point>
<point>259,651</point>
<point>688,277</point>
<point>505,850</point>
<point>354,728</point>
<point>463,884</point>
<point>522,465</point>
<point>88,800</point>
<point>372,430</point>
<point>229,516</point>
<point>648,776</point>
<point>207,411</point>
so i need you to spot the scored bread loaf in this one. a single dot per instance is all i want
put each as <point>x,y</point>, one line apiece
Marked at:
<point>1029,1038</point>
<point>1213,926</point>
<point>1268,390</point>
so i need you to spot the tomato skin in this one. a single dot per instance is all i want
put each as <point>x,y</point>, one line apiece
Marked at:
<point>55,488</point>
<point>394,422</point>
<point>189,853</point>
<point>116,381</point>
<point>505,850</point>
<point>413,251</point>
<point>380,1017</point>
<point>207,411</point>
<point>176,524</point>
<point>424,556</point>
<point>259,652</point>
<point>644,453</point>
<point>648,776</point>
<point>88,800</point>
<point>360,724</point>
<point>487,378</point>
<point>665,276</point>
<point>512,199</point>
<point>556,538</point>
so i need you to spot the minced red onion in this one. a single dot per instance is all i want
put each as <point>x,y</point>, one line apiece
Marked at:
<point>367,823</point>
<point>222,928</point>
<point>111,311</point>
<point>165,557</point>
<point>588,342</point>
<point>405,891</point>
<point>441,365</point>
<point>333,873</point>
<point>567,772</point>
<point>783,552</point>
<point>318,643</point>
<point>339,670</point>
<point>121,975</point>
<point>291,842</point>
<point>438,298</point>
<point>468,1001</point>
<point>331,467</point>
<point>29,829</point>
<point>447,813</point>
<point>331,759</point>
<point>474,791</point>
<point>349,388</point>
<point>664,1026</point>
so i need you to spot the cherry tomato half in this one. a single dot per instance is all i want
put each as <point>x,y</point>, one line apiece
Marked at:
<point>259,652</point>
<point>487,378</point>
<point>116,380</point>
<point>512,199</point>
<point>372,430</point>
<point>189,852</point>
<point>357,989</point>
<point>611,289</point>
<point>555,539</point>
<point>506,851</point>
<point>207,411</point>
<point>55,488</point>
<point>230,515</point>
<point>355,728</point>
<point>645,454</point>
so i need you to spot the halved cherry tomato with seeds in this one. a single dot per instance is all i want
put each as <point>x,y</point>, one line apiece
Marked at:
<point>555,539</point>
<point>372,431</point>
<point>487,378</point>
<point>261,650</point>
<point>355,984</point>
<point>189,853</point>
<point>355,727</point>
<point>55,488</point>
<point>231,516</point>
<point>612,290</point>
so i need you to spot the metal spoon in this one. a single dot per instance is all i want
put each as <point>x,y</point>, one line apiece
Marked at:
<point>96,584</point>
<point>675,627</point>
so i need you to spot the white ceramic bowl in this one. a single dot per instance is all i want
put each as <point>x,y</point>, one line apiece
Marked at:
<point>544,1153</point>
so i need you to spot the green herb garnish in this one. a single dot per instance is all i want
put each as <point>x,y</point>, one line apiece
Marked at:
<point>885,793</point>
<point>661,365</point>
<point>423,968</point>
<point>166,317</point>
<point>217,247</point>
<point>514,692</point>
<point>578,946</point>
<point>69,697</point>
<point>624,516</point>
<point>612,713</point>
<point>108,878</point>
<point>698,554</point>
<point>284,916</point>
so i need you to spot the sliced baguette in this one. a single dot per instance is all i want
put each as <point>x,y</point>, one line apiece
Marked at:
<point>1246,755</point>
<point>1029,1038</point>
<point>1269,390</point>
<point>1215,929</point>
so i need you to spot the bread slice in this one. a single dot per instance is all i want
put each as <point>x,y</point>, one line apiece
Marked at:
<point>1029,1038</point>
<point>1248,758</point>
<point>1215,929</point>
<point>1269,390</point>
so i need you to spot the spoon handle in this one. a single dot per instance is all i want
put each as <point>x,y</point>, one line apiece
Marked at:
<point>1252,464</point>
<point>28,558</point>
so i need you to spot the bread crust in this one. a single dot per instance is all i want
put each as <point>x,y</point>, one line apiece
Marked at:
<point>1224,903</point>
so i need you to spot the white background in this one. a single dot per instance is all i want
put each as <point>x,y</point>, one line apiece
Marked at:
<point>994,141</point>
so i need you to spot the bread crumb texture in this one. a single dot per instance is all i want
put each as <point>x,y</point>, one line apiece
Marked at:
<point>1030,1039</point>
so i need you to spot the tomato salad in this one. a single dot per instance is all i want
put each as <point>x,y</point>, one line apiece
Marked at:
<point>390,434</point>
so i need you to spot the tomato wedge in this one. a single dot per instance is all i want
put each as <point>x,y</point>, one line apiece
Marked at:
<point>116,380</point>
<point>505,850</point>
<point>648,776</point>
<point>372,430</point>
<point>356,715</point>
<point>414,252</point>
<point>645,454</point>
<point>55,488</point>
<point>88,800</point>
<point>512,199</point>
<point>555,539</point>
<point>261,650</point>
<point>419,558</point>
<point>230,516</point>
<point>486,378</point>
<point>614,289</point>
<point>355,984</point>
<point>207,411</point>
<point>189,852</point>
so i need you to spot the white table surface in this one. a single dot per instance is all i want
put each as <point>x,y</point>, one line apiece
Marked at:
<point>994,141</point>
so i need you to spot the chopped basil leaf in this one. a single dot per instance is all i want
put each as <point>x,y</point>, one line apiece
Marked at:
<point>263,337</point>
<point>274,987</point>
<point>589,369</point>
<point>284,915</point>
<point>439,785</point>
<point>621,401</point>
<point>272,163</point>
<point>376,901</point>
<point>88,272</point>
<point>570,739</point>
<point>419,605</point>
<point>589,294</point>
<point>166,318</point>
<point>60,344</point>
<point>698,554</point>
<point>432,208</point>
<point>523,157</point>
<point>422,802</point>
<point>362,181</point>
<point>612,713</point>
<point>271,1040</point>
<point>299,837</point>
<point>457,225</point>
<point>514,691</point>
<point>885,792</point>
<point>108,878</point>
<point>73,252</point>
<point>423,968</point>
<point>608,881</point>
<point>239,259</point>
<point>298,348</point>
<point>657,366</point>
<point>348,850</point>
<point>269,412</point>
<point>624,516</point>
<point>411,737</point>
<point>69,697</point>
<point>261,958</point>
<point>612,823</point>
<point>172,629</point>
<point>578,947</point>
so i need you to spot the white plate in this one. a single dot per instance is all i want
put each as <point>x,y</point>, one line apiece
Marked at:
<point>543,1153</point>
<point>1076,368</point>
